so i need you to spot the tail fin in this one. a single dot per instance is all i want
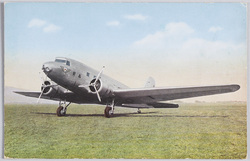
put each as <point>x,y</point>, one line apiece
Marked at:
<point>150,83</point>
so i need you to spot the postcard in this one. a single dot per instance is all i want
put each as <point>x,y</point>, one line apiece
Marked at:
<point>125,80</point>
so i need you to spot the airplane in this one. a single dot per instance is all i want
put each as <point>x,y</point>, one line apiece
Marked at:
<point>74,82</point>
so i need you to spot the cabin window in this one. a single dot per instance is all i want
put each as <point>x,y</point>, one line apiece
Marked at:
<point>88,74</point>
<point>94,77</point>
<point>68,63</point>
<point>74,73</point>
<point>79,76</point>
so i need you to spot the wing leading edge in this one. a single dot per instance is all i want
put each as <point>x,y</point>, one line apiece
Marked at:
<point>69,97</point>
<point>149,95</point>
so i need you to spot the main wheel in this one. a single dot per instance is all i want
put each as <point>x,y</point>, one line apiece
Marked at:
<point>108,112</point>
<point>59,111</point>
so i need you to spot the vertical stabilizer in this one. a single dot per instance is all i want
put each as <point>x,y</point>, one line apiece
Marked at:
<point>150,83</point>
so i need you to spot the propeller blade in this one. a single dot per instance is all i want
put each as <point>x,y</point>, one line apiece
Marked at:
<point>97,93</point>
<point>40,95</point>
<point>52,85</point>
<point>99,75</point>
<point>41,77</point>
<point>84,86</point>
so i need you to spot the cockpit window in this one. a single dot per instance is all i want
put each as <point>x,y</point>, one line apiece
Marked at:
<point>60,60</point>
<point>68,63</point>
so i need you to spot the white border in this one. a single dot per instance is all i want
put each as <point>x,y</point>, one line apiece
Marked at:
<point>108,1</point>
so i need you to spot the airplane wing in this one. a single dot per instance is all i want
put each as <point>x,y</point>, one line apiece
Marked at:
<point>151,95</point>
<point>68,96</point>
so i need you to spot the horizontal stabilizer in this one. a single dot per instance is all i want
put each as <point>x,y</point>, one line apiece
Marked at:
<point>164,105</point>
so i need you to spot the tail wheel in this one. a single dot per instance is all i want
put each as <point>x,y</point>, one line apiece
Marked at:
<point>60,112</point>
<point>108,112</point>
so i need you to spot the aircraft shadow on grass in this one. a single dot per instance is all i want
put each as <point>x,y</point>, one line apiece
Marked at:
<point>149,114</point>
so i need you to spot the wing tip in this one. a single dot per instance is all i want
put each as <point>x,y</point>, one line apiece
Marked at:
<point>19,92</point>
<point>235,87</point>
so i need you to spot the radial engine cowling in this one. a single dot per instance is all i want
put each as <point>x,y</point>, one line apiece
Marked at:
<point>103,91</point>
<point>52,89</point>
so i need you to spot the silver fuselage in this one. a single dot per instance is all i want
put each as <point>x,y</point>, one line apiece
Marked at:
<point>73,74</point>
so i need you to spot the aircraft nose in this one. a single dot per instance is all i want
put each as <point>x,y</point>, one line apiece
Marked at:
<point>46,68</point>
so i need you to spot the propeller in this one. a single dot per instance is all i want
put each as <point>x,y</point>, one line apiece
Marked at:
<point>44,85</point>
<point>95,83</point>
<point>43,80</point>
<point>41,77</point>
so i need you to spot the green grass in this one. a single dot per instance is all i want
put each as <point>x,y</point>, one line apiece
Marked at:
<point>192,131</point>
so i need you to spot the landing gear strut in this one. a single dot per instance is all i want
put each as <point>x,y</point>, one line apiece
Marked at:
<point>109,110</point>
<point>61,110</point>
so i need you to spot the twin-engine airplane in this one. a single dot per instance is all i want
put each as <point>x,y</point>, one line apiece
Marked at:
<point>72,81</point>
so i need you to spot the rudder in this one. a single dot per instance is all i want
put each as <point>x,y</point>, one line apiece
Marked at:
<point>150,83</point>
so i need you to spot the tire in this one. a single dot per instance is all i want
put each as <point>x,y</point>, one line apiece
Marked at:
<point>107,112</point>
<point>59,111</point>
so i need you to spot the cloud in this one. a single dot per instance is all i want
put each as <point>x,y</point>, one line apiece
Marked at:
<point>139,17</point>
<point>202,48</point>
<point>178,41</point>
<point>113,23</point>
<point>179,28</point>
<point>36,23</point>
<point>46,26</point>
<point>215,29</point>
<point>172,31</point>
<point>51,28</point>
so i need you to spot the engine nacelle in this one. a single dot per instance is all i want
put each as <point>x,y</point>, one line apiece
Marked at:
<point>52,90</point>
<point>103,91</point>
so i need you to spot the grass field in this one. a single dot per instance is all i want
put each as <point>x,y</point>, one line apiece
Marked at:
<point>192,131</point>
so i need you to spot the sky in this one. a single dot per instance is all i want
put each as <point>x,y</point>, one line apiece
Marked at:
<point>178,44</point>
